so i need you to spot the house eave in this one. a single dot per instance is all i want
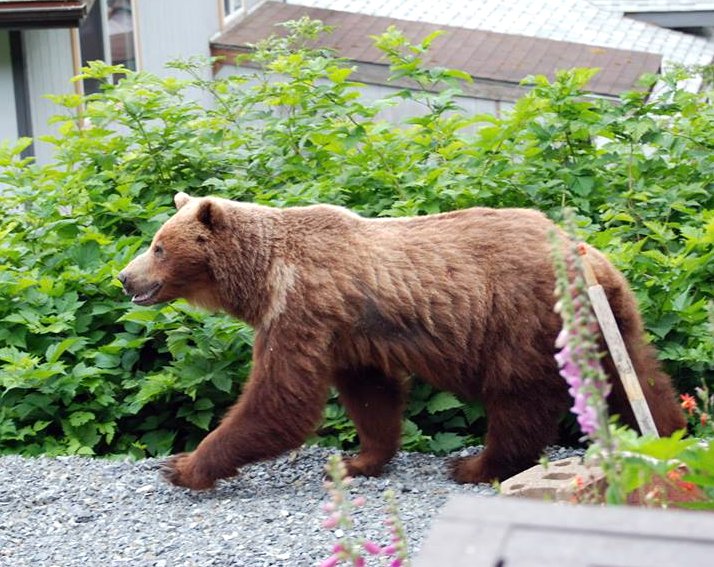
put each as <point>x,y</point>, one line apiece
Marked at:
<point>32,14</point>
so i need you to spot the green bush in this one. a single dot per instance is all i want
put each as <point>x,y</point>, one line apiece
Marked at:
<point>85,371</point>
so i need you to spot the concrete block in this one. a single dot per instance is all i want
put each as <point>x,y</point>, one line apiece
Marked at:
<point>562,481</point>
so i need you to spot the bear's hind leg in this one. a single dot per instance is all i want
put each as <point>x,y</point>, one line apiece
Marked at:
<point>518,431</point>
<point>375,403</point>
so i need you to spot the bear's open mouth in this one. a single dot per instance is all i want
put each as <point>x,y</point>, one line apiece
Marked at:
<point>146,297</point>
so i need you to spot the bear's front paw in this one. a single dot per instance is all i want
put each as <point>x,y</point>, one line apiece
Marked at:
<point>181,470</point>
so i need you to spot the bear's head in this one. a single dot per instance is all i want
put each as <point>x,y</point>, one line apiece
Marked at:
<point>177,264</point>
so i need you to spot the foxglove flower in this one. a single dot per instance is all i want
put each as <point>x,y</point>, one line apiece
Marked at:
<point>578,357</point>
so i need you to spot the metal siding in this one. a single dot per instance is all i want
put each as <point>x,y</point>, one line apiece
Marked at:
<point>8,118</point>
<point>397,114</point>
<point>49,70</point>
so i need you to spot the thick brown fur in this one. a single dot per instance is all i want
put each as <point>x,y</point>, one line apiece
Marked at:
<point>462,299</point>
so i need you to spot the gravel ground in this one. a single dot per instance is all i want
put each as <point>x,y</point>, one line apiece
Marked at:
<point>72,511</point>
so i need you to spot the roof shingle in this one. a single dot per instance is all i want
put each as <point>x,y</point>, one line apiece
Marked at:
<point>483,54</point>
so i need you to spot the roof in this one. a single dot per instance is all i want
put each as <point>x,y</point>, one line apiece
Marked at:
<point>578,21</point>
<point>486,55</point>
<point>628,6</point>
<point>664,13</point>
<point>23,14</point>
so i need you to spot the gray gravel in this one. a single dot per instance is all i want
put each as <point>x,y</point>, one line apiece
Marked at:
<point>72,511</point>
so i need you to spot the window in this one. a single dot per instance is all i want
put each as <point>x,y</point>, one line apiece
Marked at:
<point>107,34</point>
<point>91,41</point>
<point>231,6</point>
<point>243,7</point>
<point>120,29</point>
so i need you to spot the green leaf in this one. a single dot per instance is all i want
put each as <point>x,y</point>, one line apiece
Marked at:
<point>339,75</point>
<point>203,404</point>
<point>442,401</point>
<point>222,381</point>
<point>141,316</point>
<point>456,74</point>
<point>54,351</point>
<point>474,411</point>
<point>429,39</point>
<point>201,419</point>
<point>79,418</point>
<point>583,186</point>
<point>446,442</point>
<point>158,442</point>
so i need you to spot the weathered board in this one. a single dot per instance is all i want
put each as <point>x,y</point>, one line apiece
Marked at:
<point>503,532</point>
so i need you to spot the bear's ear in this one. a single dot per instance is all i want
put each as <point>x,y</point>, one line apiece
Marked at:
<point>210,214</point>
<point>180,199</point>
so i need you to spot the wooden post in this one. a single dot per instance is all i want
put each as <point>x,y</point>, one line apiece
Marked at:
<point>617,348</point>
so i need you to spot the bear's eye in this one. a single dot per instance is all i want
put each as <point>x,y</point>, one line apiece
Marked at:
<point>158,251</point>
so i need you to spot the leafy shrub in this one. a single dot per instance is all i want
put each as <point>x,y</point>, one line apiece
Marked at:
<point>84,371</point>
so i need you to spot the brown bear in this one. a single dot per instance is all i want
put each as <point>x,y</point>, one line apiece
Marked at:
<point>463,300</point>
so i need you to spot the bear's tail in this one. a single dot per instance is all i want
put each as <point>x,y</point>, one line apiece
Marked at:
<point>656,385</point>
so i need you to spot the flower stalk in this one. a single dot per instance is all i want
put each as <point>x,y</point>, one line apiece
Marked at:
<point>349,550</point>
<point>579,354</point>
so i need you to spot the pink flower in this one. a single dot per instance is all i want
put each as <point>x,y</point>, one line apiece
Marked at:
<point>396,563</point>
<point>572,374</point>
<point>359,501</point>
<point>331,561</point>
<point>588,420</point>
<point>371,547</point>
<point>358,562</point>
<point>332,521</point>
<point>389,550</point>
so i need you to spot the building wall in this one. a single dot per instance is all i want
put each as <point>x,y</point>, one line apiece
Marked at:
<point>49,70</point>
<point>405,108</point>
<point>8,119</point>
<point>409,108</point>
<point>173,29</point>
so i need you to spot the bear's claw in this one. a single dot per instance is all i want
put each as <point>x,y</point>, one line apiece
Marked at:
<point>179,470</point>
<point>360,466</point>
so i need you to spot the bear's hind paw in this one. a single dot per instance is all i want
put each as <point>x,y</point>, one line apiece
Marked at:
<point>360,466</point>
<point>470,470</point>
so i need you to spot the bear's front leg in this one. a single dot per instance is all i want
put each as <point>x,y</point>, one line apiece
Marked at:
<point>280,406</point>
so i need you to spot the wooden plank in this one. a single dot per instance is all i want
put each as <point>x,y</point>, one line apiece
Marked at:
<point>617,348</point>
<point>621,358</point>
<point>503,532</point>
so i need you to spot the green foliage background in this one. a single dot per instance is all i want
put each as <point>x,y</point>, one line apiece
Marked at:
<point>84,371</point>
